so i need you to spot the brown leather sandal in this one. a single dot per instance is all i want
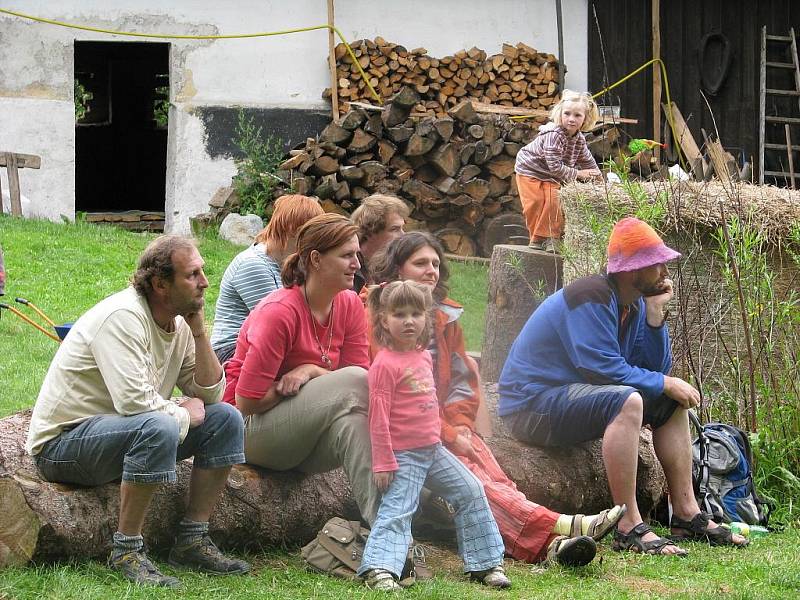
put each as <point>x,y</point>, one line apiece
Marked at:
<point>697,530</point>
<point>633,541</point>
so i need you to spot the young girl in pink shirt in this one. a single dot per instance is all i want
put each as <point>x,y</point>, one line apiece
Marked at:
<point>407,451</point>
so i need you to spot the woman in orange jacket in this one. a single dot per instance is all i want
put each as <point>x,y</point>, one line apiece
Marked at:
<point>531,532</point>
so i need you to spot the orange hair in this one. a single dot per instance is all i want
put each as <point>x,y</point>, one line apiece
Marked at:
<point>290,212</point>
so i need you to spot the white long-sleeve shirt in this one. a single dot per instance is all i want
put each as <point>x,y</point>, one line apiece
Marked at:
<point>117,360</point>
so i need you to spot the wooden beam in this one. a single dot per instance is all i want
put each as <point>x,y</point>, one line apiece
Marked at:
<point>788,132</point>
<point>24,161</point>
<point>332,65</point>
<point>656,30</point>
<point>498,109</point>
<point>685,140</point>
<point>13,183</point>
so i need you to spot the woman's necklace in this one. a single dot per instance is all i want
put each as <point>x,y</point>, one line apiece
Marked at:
<point>324,352</point>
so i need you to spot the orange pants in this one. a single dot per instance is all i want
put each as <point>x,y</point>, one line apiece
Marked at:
<point>541,207</point>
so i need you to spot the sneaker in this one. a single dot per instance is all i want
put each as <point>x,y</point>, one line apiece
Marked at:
<point>536,245</point>
<point>204,555</point>
<point>421,568</point>
<point>551,245</point>
<point>136,567</point>
<point>494,577</point>
<point>382,580</point>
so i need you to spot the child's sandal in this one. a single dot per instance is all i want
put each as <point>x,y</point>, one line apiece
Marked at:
<point>572,551</point>
<point>633,541</point>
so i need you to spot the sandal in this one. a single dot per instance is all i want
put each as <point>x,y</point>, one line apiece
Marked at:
<point>572,551</point>
<point>605,521</point>
<point>697,530</point>
<point>633,541</point>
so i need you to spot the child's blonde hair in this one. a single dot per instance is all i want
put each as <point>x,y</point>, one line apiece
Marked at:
<point>585,98</point>
<point>385,298</point>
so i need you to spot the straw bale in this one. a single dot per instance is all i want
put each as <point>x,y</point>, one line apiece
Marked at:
<point>690,207</point>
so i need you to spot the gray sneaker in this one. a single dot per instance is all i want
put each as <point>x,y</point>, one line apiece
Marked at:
<point>494,577</point>
<point>203,555</point>
<point>136,567</point>
<point>381,580</point>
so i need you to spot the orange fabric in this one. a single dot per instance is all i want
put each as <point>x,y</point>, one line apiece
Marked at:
<point>541,207</point>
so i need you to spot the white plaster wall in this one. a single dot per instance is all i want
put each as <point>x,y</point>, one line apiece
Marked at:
<point>45,128</point>
<point>36,64</point>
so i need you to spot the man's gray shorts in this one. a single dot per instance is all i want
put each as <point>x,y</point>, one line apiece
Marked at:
<point>570,414</point>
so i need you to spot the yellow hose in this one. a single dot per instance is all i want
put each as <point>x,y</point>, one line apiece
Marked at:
<point>175,36</point>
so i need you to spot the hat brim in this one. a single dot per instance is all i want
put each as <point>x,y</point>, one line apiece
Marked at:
<point>642,259</point>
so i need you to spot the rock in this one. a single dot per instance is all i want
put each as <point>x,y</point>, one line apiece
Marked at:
<point>240,229</point>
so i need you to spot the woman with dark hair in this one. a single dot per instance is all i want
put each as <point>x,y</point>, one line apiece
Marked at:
<point>256,271</point>
<point>299,371</point>
<point>531,532</point>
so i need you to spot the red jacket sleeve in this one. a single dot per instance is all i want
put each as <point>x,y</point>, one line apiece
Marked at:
<point>449,341</point>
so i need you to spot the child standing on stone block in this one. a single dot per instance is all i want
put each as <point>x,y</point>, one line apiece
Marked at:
<point>558,155</point>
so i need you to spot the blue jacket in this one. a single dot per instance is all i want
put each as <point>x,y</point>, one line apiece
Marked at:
<point>574,336</point>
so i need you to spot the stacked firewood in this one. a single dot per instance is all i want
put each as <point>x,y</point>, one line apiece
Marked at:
<point>456,172</point>
<point>518,76</point>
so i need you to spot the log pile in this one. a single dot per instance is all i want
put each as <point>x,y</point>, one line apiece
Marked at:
<point>517,76</point>
<point>455,171</point>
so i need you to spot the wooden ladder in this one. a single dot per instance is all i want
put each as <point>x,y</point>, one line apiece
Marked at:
<point>771,45</point>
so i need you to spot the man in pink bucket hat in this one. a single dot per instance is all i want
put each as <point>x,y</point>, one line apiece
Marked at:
<point>593,361</point>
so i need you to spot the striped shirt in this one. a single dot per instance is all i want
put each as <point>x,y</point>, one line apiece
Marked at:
<point>554,156</point>
<point>251,275</point>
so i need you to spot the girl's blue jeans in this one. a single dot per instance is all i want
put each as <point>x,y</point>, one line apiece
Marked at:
<point>479,541</point>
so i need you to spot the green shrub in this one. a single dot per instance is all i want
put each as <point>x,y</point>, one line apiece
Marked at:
<point>256,177</point>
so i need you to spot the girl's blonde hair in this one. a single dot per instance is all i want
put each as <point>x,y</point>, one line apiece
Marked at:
<point>585,98</point>
<point>385,298</point>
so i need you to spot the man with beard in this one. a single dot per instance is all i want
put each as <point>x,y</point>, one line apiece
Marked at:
<point>593,361</point>
<point>105,410</point>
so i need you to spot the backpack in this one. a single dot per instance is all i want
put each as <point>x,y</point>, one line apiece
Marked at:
<point>338,549</point>
<point>722,475</point>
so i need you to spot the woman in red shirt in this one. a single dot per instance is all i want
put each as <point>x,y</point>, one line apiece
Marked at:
<point>531,532</point>
<point>299,371</point>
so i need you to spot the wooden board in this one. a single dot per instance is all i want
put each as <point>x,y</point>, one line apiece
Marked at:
<point>24,161</point>
<point>685,140</point>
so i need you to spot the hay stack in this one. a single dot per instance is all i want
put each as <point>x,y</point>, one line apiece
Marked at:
<point>691,207</point>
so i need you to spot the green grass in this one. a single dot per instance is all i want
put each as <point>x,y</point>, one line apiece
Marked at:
<point>65,269</point>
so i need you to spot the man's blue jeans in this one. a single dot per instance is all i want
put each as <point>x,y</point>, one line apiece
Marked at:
<point>141,448</point>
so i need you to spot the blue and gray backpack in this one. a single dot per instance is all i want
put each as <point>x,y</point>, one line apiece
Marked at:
<point>723,477</point>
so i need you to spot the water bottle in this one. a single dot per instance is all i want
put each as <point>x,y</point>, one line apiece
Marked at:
<point>748,531</point>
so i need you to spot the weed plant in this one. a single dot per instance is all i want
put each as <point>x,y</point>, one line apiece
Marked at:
<point>256,177</point>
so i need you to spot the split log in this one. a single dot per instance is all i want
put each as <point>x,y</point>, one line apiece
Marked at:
<point>507,228</point>
<point>520,278</point>
<point>455,241</point>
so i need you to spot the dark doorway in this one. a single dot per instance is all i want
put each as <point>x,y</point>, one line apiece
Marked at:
<point>122,100</point>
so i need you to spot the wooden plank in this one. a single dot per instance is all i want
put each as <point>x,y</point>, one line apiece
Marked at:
<point>332,65</point>
<point>788,149</point>
<point>521,111</point>
<point>762,100</point>
<point>24,161</point>
<point>13,183</point>
<point>685,139</point>
<point>656,32</point>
